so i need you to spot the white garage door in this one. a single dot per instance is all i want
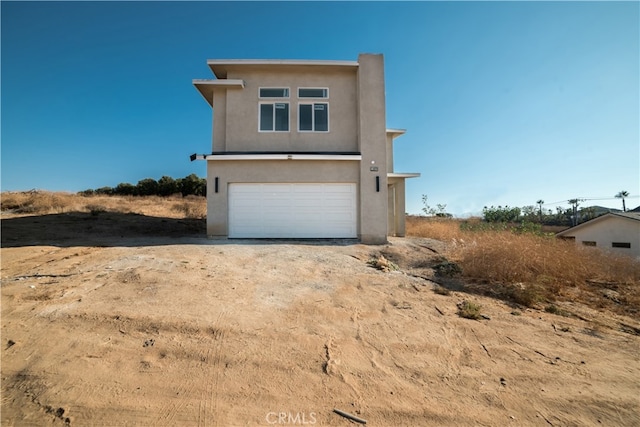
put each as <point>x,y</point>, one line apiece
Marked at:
<point>292,211</point>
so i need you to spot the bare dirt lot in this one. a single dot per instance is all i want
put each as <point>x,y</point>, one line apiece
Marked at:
<point>123,319</point>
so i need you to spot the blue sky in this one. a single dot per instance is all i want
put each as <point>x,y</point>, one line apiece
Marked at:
<point>504,103</point>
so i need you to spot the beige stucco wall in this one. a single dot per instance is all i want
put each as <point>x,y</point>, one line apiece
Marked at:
<point>608,230</point>
<point>267,171</point>
<point>396,206</point>
<point>389,153</point>
<point>241,106</point>
<point>220,119</point>
<point>373,146</point>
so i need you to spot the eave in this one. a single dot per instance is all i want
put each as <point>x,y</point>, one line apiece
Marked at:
<point>403,175</point>
<point>220,67</point>
<point>394,133</point>
<point>277,156</point>
<point>207,87</point>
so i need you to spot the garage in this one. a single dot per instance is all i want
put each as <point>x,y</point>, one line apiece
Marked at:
<point>292,210</point>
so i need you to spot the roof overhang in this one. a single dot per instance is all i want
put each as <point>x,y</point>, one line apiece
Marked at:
<point>394,133</point>
<point>403,175</point>
<point>220,67</point>
<point>275,156</point>
<point>206,87</point>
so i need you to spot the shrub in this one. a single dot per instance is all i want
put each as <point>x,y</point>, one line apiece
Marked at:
<point>553,309</point>
<point>441,290</point>
<point>529,295</point>
<point>447,269</point>
<point>469,310</point>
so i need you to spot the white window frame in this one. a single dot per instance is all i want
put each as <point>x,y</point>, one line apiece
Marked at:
<point>273,129</point>
<point>313,117</point>
<point>274,100</point>
<point>287,96</point>
<point>314,97</point>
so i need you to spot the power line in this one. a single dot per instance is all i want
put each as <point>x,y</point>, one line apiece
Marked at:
<point>585,199</point>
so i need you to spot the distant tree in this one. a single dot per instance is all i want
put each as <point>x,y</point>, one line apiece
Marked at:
<point>500,214</point>
<point>125,189</point>
<point>622,195</point>
<point>529,213</point>
<point>192,184</point>
<point>147,187</point>
<point>540,203</point>
<point>106,191</point>
<point>167,186</point>
<point>588,213</point>
<point>87,192</point>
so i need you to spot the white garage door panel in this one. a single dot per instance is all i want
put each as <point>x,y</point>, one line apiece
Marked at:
<point>292,211</point>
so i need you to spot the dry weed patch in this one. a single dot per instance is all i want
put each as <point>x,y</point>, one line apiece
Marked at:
<point>383,264</point>
<point>45,202</point>
<point>37,202</point>
<point>533,269</point>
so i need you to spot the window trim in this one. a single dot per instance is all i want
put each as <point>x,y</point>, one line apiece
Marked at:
<point>287,89</point>
<point>313,116</point>
<point>273,130</point>
<point>314,97</point>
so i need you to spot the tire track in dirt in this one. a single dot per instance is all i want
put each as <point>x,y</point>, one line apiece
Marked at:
<point>207,364</point>
<point>214,368</point>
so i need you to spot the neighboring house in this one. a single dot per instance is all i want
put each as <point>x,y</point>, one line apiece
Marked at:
<point>300,150</point>
<point>617,232</point>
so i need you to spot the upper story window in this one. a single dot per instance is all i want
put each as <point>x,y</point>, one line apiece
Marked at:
<point>274,116</point>
<point>313,117</point>
<point>274,92</point>
<point>313,92</point>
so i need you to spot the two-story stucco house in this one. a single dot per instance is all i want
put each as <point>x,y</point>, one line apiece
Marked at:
<point>300,150</point>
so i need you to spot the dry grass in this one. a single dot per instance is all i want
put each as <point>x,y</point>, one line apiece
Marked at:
<point>532,269</point>
<point>45,202</point>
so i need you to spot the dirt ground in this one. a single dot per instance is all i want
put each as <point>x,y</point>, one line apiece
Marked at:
<point>121,320</point>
